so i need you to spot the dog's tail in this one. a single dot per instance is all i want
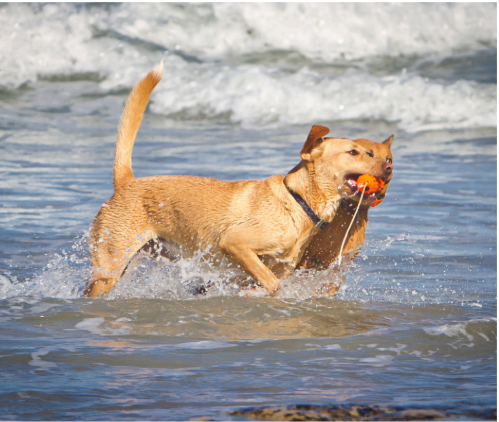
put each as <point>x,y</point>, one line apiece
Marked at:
<point>130,123</point>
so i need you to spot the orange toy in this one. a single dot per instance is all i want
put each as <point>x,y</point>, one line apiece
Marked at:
<point>372,184</point>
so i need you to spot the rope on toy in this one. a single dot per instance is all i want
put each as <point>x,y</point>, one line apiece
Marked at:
<point>351,222</point>
<point>369,184</point>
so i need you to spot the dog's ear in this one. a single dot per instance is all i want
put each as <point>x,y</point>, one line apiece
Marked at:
<point>388,142</point>
<point>314,139</point>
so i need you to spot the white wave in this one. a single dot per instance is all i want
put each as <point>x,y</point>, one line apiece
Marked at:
<point>119,43</point>
<point>318,31</point>
<point>460,329</point>
<point>255,96</point>
<point>65,38</point>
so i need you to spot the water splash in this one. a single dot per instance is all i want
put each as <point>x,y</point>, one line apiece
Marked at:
<point>63,277</point>
<point>371,277</point>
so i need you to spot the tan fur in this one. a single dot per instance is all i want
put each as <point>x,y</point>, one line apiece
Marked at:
<point>245,220</point>
<point>130,123</point>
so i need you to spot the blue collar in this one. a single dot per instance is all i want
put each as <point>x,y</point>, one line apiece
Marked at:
<point>313,216</point>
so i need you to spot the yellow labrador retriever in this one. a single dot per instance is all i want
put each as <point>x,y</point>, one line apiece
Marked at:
<point>272,219</point>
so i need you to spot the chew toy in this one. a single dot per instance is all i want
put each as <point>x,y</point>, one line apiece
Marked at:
<point>372,184</point>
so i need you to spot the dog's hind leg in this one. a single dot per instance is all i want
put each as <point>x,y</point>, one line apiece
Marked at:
<point>111,252</point>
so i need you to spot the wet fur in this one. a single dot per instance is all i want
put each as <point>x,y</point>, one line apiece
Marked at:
<point>243,221</point>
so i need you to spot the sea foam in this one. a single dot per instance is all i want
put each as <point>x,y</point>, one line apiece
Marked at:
<point>263,64</point>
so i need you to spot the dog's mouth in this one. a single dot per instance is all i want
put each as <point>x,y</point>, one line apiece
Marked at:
<point>351,183</point>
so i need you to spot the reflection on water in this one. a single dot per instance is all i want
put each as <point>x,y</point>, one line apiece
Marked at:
<point>235,319</point>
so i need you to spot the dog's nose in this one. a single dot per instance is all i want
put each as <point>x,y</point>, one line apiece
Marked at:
<point>387,167</point>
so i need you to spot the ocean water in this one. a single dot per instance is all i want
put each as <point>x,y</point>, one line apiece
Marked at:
<point>414,324</point>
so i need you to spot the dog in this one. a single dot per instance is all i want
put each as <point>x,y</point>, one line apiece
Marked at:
<point>263,227</point>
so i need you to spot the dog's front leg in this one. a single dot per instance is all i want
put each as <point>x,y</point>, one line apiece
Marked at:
<point>240,253</point>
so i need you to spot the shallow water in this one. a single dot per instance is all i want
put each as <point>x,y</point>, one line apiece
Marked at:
<point>414,323</point>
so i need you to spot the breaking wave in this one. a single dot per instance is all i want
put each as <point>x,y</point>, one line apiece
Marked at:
<point>267,64</point>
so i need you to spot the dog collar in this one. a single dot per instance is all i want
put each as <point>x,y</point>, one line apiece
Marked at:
<point>313,216</point>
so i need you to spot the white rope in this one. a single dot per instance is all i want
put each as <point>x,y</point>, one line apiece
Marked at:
<point>349,227</point>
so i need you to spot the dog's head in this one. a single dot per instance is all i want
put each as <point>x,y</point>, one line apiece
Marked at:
<point>338,162</point>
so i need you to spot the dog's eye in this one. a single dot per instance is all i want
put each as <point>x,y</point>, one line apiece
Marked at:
<point>389,160</point>
<point>353,152</point>
<point>370,154</point>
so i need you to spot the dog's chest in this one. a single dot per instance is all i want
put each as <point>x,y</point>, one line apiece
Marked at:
<point>294,246</point>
